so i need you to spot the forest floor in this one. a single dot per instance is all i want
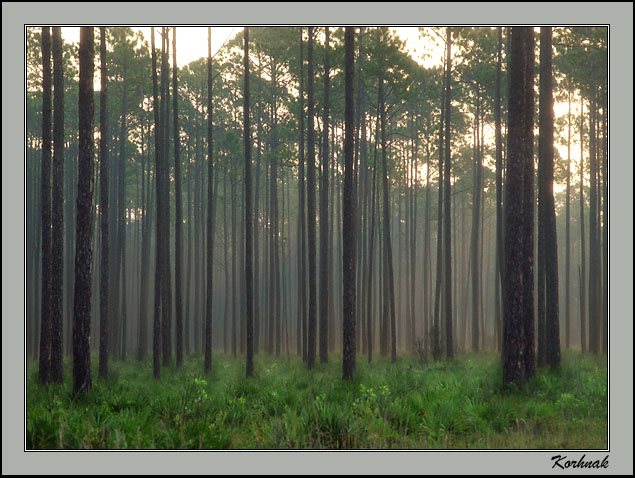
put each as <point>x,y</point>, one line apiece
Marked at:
<point>408,405</point>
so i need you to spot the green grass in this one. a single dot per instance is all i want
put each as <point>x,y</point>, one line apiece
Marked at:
<point>459,404</point>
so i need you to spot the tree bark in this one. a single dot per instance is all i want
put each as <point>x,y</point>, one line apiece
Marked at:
<point>248,214</point>
<point>348,206</point>
<point>552,326</point>
<point>44,370</point>
<point>209,256</point>
<point>57,248</point>
<point>83,249</point>
<point>518,325</point>
<point>311,226</point>
<point>447,231</point>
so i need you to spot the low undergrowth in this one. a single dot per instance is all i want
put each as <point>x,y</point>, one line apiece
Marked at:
<point>410,405</point>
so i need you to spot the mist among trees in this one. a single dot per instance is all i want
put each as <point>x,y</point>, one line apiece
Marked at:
<point>313,238</point>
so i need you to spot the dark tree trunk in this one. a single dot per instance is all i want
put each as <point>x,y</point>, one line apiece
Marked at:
<point>518,320</point>
<point>146,229</point>
<point>476,200</point>
<point>83,248</point>
<point>426,245</point>
<point>436,321</point>
<point>605,236</point>
<point>57,210</point>
<point>156,336</point>
<point>120,282</point>
<point>499,287</point>
<point>446,222</point>
<point>552,326</point>
<point>324,215</point>
<point>178,225</point>
<point>582,271</point>
<point>249,292</point>
<point>104,286</point>
<point>164,182</point>
<point>301,336</point>
<point>311,210</point>
<point>567,267</point>
<point>387,238</point>
<point>348,219</point>
<point>371,245</point>
<point>44,371</point>
<point>210,219</point>
<point>594,254</point>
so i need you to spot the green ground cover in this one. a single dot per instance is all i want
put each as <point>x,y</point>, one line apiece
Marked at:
<point>407,405</point>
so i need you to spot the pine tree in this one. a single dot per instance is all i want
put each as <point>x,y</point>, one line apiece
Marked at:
<point>248,215</point>
<point>348,206</point>
<point>104,266</point>
<point>83,248</point>
<point>44,372</point>
<point>518,322</point>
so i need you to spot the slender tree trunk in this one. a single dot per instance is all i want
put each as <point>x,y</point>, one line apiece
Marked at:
<point>311,210</point>
<point>446,223</point>
<point>436,327</point>
<point>605,248</point>
<point>348,224</point>
<point>567,267</point>
<point>83,250</point>
<point>582,272</point>
<point>476,200</point>
<point>166,286</point>
<point>248,215</point>
<point>499,287</point>
<point>178,225</point>
<point>324,215</point>
<point>57,265</point>
<point>46,306</point>
<point>552,326</point>
<point>387,239</point>
<point>209,256</point>
<point>594,329</point>
<point>156,336</point>
<point>301,336</point>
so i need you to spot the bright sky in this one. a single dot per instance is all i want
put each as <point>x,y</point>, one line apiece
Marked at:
<point>192,45</point>
<point>191,42</point>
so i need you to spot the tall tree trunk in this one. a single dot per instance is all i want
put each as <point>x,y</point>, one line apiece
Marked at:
<point>426,245</point>
<point>436,321</point>
<point>156,335</point>
<point>57,209</point>
<point>605,236</point>
<point>387,239</point>
<point>594,329</point>
<point>166,292</point>
<point>582,272</point>
<point>46,310</point>
<point>324,215</point>
<point>567,267</point>
<point>83,249</point>
<point>301,336</point>
<point>248,215</point>
<point>518,320</point>
<point>121,228</point>
<point>311,210</point>
<point>348,224</point>
<point>178,225</point>
<point>446,223</point>
<point>552,326</point>
<point>209,256</point>
<point>476,200</point>
<point>371,245</point>
<point>499,287</point>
